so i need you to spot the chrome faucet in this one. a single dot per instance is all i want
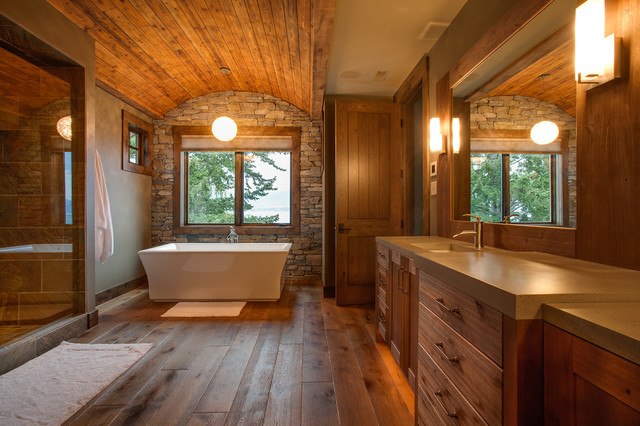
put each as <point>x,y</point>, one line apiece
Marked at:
<point>232,237</point>
<point>507,219</point>
<point>477,231</point>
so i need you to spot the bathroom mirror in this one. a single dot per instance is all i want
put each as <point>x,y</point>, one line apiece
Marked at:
<point>500,174</point>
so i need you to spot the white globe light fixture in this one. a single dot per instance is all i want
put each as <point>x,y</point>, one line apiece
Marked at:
<point>544,132</point>
<point>224,129</point>
<point>64,127</point>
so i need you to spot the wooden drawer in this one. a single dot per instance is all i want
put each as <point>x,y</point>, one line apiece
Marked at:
<point>382,276</point>
<point>443,395</point>
<point>477,377</point>
<point>382,255</point>
<point>609,373</point>
<point>476,321</point>
<point>425,412</point>
<point>382,316</point>
<point>396,258</point>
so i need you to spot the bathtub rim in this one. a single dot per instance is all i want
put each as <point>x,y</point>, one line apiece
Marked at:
<point>158,249</point>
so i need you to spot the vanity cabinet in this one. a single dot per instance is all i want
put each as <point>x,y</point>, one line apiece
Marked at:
<point>397,308</point>
<point>585,384</point>
<point>383,293</point>
<point>459,357</point>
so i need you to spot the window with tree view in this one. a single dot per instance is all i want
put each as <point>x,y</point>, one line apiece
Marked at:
<point>515,184</point>
<point>260,179</point>
<point>251,182</point>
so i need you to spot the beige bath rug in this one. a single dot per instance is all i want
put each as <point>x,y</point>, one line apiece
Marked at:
<point>52,387</point>
<point>205,309</point>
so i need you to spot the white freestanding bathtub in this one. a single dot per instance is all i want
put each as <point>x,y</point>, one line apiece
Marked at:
<point>215,271</point>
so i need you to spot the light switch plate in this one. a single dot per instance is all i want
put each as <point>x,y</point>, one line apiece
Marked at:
<point>434,188</point>
<point>433,168</point>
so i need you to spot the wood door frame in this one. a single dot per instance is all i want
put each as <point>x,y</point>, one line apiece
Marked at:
<point>416,82</point>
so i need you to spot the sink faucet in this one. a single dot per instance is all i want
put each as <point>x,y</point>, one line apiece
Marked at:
<point>232,237</point>
<point>477,231</point>
<point>507,219</point>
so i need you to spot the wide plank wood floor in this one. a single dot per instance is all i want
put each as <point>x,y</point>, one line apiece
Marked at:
<point>298,361</point>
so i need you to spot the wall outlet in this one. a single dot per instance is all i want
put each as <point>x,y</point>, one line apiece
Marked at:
<point>434,188</point>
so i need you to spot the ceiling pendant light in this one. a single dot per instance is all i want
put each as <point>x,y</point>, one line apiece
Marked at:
<point>224,129</point>
<point>64,127</point>
<point>544,132</point>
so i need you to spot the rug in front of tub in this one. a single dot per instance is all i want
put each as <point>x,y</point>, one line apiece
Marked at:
<point>52,387</point>
<point>204,309</point>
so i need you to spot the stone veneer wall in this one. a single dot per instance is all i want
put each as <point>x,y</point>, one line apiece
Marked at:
<point>247,109</point>
<point>521,113</point>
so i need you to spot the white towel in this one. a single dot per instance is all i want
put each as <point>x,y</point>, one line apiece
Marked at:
<point>104,226</point>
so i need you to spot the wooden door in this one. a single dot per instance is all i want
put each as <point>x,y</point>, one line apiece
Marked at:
<point>368,192</point>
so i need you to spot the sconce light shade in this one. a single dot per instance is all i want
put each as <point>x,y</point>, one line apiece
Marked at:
<point>597,57</point>
<point>544,132</point>
<point>455,135</point>
<point>224,129</point>
<point>64,127</point>
<point>435,136</point>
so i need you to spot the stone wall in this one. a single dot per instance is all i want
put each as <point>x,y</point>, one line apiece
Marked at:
<point>247,109</point>
<point>521,113</point>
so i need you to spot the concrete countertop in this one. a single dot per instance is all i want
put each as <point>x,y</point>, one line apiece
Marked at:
<point>519,283</point>
<point>613,326</point>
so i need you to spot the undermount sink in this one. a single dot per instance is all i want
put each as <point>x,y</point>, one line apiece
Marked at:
<point>443,248</point>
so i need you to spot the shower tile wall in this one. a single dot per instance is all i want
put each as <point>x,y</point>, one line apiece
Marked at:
<point>37,288</point>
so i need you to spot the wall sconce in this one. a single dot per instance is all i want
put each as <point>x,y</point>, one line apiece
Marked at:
<point>597,56</point>
<point>435,136</point>
<point>455,135</point>
<point>224,129</point>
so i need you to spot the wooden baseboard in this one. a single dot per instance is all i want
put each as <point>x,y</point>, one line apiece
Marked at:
<point>119,290</point>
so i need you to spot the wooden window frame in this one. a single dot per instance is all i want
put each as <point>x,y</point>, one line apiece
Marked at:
<point>131,123</point>
<point>180,179</point>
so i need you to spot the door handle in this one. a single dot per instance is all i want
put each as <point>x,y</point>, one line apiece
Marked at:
<point>341,228</point>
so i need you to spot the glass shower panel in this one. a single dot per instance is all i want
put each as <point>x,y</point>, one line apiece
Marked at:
<point>41,194</point>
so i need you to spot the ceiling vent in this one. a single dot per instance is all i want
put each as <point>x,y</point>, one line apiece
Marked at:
<point>380,76</point>
<point>433,30</point>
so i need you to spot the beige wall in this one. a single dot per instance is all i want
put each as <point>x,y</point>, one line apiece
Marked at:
<point>475,18</point>
<point>129,196</point>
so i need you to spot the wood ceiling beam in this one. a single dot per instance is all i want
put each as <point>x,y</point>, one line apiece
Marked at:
<point>323,16</point>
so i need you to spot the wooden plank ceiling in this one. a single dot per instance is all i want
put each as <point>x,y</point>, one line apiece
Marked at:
<point>156,54</point>
<point>545,73</point>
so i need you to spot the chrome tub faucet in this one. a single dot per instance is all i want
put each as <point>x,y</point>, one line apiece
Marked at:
<point>232,237</point>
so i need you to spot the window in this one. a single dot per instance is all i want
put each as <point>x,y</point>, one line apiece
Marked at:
<point>518,184</point>
<point>251,182</point>
<point>512,176</point>
<point>137,136</point>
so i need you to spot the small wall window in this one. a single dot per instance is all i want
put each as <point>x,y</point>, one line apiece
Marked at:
<point>251,182</point>
<point>137,136</point>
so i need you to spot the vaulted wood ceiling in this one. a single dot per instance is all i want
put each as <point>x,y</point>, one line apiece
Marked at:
<point>156,54</point>
<point>545,73</point>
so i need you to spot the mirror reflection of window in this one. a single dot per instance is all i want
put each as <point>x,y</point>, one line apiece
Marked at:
<point>515,187</point>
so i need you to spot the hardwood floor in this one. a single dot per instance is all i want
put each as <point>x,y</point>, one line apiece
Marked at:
<point>300,360</point>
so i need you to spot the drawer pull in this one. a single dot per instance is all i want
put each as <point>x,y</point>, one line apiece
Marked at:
<point>438,395</point>
<point>440,347</point>
<point>440,301</point>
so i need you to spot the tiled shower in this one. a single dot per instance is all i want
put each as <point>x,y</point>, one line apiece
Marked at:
<point>41,186</point>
